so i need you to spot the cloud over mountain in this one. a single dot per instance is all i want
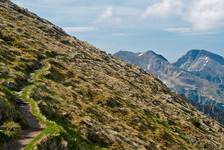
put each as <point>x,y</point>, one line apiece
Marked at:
<point>163,8</point>
<point>198,16</point>
<point>206,14</point>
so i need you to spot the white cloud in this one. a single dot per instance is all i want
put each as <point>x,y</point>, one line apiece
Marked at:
<point>189,31</point>
<point>108,17</point>
<point>163,8</point>
<point>107,13</point>
<point>206,14</point>
<point>197,16</point>
<point>79,29</point>
<point>179,30</point>
<point>119,34</point>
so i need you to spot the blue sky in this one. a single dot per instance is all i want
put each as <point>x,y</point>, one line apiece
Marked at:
<point>168,27</point>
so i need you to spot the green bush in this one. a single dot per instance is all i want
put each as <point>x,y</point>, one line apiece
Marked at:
<point>11,126</point>
<point>8,112</point>
<point>6,37</point>
<point>8,131</point>
<point>196,122</point>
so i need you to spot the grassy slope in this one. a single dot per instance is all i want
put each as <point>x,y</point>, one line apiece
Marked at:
<point>94,97</point>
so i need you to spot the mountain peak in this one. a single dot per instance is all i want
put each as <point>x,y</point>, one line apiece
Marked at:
<point>194,54</point>
<point>150,52</point>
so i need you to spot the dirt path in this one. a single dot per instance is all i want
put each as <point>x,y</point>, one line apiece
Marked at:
<point>29,118</point>
<point>27,135</point>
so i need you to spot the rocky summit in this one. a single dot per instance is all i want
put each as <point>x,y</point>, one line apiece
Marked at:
<point>204,64</point>
<point>58,93</point>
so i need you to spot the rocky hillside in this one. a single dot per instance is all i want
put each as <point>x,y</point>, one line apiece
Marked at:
<point>84,98</point>
<point>198,75</point>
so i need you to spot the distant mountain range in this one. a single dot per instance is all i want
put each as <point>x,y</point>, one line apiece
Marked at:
<point>198,75</point>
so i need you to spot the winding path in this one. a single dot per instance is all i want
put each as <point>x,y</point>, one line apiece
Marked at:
<point>26,136</point>
<point>39,126</point>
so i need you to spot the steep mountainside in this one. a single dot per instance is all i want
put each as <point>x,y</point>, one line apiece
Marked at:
<point>188,77</point>
<point>84,98</point>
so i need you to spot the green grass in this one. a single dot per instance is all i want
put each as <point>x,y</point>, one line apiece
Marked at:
<point>37,75</point>
<point>51,128</point>
<point>75,140</point>
<point>34,106</point>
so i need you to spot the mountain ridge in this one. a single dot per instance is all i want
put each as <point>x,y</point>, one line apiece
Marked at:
<point>195,53</point>
<point>202,87</point>
<point>205,65</point>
